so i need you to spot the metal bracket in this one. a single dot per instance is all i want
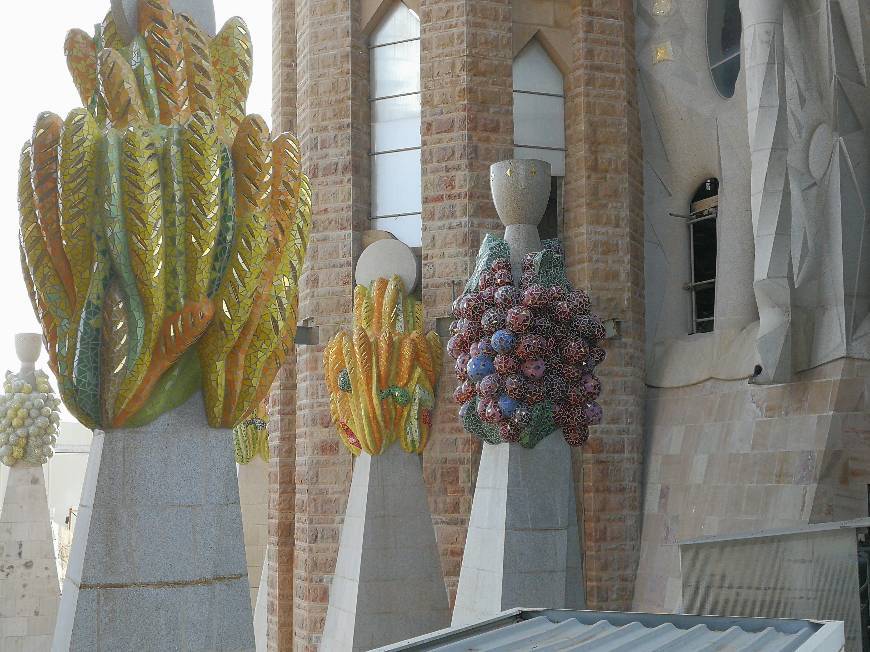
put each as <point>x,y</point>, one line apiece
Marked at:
<point>307,335</point>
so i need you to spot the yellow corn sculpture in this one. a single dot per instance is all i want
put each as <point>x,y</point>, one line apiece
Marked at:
<point>162,230</point>
<point>382,377</point>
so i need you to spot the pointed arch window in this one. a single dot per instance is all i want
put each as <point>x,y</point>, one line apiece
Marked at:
<point>702,254</point>
<point>394,53</point>
<point>539,121</point>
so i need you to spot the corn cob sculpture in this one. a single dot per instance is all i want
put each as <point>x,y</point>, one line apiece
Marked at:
<point>382,377</point>
<point>163,231</point>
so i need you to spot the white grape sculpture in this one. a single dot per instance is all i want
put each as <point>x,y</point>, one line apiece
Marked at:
<point>30,419</point>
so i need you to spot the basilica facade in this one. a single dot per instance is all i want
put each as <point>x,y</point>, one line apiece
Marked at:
<point>710,189</point>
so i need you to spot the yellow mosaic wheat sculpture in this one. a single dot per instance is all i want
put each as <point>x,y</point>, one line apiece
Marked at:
<point>382,377</point>
<point>162,230</point>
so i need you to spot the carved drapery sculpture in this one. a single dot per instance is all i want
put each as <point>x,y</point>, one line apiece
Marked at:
<point>162,229</point>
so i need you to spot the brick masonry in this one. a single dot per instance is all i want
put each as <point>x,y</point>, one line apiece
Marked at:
<point>321,71</point>
<point>603,239</point>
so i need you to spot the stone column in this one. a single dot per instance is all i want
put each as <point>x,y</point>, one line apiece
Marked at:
<point>466,75</point>
<point>603,240</point>
<point>764,66</point>
<point>333,130</point>
<point>523,544</point>
<point>158,558</point>
<point>388,585</point>
<point>29,586</point>
<point>277,603</point>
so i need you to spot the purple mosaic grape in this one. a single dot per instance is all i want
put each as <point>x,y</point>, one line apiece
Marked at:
<point>557,293</point>
<point>482,406</point>
<point>544,327</point>
<point>576,436</point>
<point>515,386</point>
<point>557,387</point>
<point>522,416</point>
<point>575,351</point>
<point>518,319</point>
<point>488,296</point>
<point>535,296</point>
<point>465,410</point>
<point>456,307</point>
<point>596,357</point>
<point>487,280</point>
<point>579,302</point>
<point>531,346</point>
<point>591,386</point>
<point>562,311</point>
<point>489,386</point>
<point>493,320</point>
<point>506,297</point>
<point>503,278</point>
<point>536,392</point>
<point>503,341</point>
<point>472,306</point>
<point>534,369</point>
<point>461,367</point>
<point>485,347</point>
<point>500,265</point>
<point>493,412</point>
<point>456,345</point>
<point>507,405</point>
<point>575,397</point>
<point>506,364</point>
<point>592,413</point>
<point>479,367</point>
<point>463,393</point>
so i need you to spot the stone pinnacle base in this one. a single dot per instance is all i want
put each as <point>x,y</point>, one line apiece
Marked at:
<point>158,557</point>
<point>29,586</point>
<point>388,584</point>
<point>522,548</point>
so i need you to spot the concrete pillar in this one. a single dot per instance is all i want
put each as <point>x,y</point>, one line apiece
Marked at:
<point>29,586</point>
<point>388,585</point>
<point>603,241</point>
<point>254,500</point>
<point>523,544</point>
<point>261,607</point>
<point>767,112</point>
<point>158,558</point>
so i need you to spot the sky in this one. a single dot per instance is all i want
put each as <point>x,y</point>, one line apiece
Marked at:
<point>35,79</point>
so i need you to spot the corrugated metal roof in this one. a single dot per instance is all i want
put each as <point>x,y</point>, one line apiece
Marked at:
<point>555,630</point>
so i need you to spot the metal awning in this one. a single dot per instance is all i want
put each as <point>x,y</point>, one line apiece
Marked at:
<point>544,630</point>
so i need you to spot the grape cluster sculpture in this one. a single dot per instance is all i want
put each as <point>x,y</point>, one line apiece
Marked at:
<point>525,354</point>
<point>162,230</point>
<point>29,419</point>
<point>382,377</point>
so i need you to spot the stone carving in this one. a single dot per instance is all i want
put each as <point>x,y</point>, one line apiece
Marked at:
<point>162,229</point>
<point>525,352</point>
<point>382,378</point>
<point>770,190</point>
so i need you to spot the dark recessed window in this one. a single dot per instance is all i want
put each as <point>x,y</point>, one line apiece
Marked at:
<point>549,226</point>
<point>702,255</point>
<point>723,43</point>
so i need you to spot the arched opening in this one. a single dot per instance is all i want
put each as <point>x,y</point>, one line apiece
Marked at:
<point>724,26</point>
<point>539,122</point>
<point>702,254</point>
<point>394,54</point>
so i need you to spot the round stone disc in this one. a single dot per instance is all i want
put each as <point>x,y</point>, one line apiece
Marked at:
<point>384,258</point>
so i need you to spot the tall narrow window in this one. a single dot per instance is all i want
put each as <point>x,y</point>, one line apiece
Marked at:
<point>724,25</point>
<point>394,49</point>
<point>539,121</point>
<point>702,254</point>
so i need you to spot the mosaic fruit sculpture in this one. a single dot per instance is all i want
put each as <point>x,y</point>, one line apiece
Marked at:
<point>525,356</point>
<point>29,419</point>
<point>382,377</point>
<point>162,230</point>
<point>251,438</point>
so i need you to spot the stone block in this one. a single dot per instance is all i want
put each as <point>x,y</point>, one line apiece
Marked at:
<point>158,559</point>
<point>388,584</point>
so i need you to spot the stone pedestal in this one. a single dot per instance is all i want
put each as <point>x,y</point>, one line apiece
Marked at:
<point>254,498</point>
<point>388,584</point>
<point>522,548</point>
<point>261,611</point>
<point>29,587</point>
<point>158,558</point>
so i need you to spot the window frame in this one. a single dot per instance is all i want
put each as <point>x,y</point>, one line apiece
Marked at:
<point>704,214</point>
<point>721,5</point>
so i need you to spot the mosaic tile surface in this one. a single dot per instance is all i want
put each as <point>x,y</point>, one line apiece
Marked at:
<point>163,231</point>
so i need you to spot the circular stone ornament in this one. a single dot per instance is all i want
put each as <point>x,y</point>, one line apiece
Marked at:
<point>384,259</point>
